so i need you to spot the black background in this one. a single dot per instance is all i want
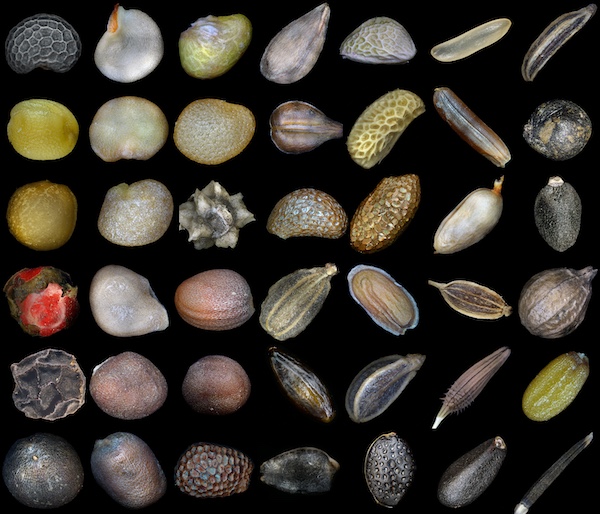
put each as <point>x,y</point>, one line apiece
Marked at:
<point>342,339</point>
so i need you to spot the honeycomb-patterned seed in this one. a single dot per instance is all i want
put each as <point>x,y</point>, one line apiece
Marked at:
<point>44,41</point>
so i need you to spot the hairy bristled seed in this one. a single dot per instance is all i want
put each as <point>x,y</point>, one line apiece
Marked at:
<point>553,37</point>
<point>470,384</point>
<point>473,300</point>
<point>471,41</point>
<point>294,301</point>
<point>470,127</point>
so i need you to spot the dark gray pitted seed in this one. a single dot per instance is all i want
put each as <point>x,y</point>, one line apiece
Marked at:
<point>43,41</point>
<point>389,469</point>
<point>207,470</point>
<point>558,129</point>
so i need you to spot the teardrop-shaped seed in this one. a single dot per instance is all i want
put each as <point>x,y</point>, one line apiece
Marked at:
<point>388,303</point>
<point>304,388</point>
<point>379,384</point>
<point>472,299</point>
<point>304,470</point>
<point>471,474</point>
<point>389,469</point>
<point>294,301</point>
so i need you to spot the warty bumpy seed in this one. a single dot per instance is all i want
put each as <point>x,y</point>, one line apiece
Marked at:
<point>42,41</point>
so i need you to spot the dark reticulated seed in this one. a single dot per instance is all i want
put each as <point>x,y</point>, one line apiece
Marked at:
<point>44,41</point>
<point>389,469</point>
<point>208,470</point>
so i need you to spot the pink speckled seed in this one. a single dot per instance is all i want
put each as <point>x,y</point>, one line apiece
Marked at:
<point>216,384</point>
<point>216,299</point>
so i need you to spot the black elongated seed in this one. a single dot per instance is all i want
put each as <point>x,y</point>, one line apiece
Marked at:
<point>471,474</point>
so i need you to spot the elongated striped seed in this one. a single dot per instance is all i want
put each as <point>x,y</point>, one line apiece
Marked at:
<point>472,299</point>
<point>470,384</point>
<point>552,474</point>
<point>552,38</point>
<point>294,301</point>
<point>470,127</point>
<point>471,41</point>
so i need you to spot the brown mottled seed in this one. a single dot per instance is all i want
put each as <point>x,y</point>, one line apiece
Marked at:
<point>298,127</point>
<point>556,386</point>
<point>471,41</point>
<point>294,301</point>
<point>470,384</point>
<point>552,39</point>
<point>381,124</point>
<point>467,478</point>
<point>553,302</point>
<point>389,469</point>
<point>302,386</point>
<point>379,40</point>
<point>472,299</point>
<point>387,302</point>
<point>308,212</point>
<point>470,127</point>
<point>379,384</point>
<point>207,470</point>
<point>383,216</point>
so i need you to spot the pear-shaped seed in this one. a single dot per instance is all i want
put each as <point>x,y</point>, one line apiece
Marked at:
<point>295,49</point>
<point>304,470</point>
<point>299,127</point>
<point>388,303</point>
<point>379,384</point>
<point>379,40</point>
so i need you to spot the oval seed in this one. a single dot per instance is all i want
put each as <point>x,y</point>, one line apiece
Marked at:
<point>294,301</point>
<point>471,41</point>
<point>379,384</point>
<point>301,385</point>
<point>470,475</point>
<point>472,299</point>
<point>556,386</point>
<point>470,384</point>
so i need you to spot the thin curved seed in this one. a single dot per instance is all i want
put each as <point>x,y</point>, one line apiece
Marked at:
<point>553,37</point>
<point>468,386</point>
<point>551,474</point>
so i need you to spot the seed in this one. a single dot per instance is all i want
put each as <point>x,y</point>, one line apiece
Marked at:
<point>552,38</point>
<point>294,301</point>
<point>470,127</point>
<point>472,299</point>
<point>470,384</point>
<point>387,303</point>
<point>558,129</point>
<point>304,470</point>
<point>379,384</point>
<point>207,470</point>
<point>553,302</point>
<point>301,385</point>
<point>557,214</point>
<point>389,469</point>
<point>467,478</point>
<point>471,41</point>
<point>556,386</point>
<point>381,124</point>
<point>470,221</point>
<point>552,474</point>
<point>383,216</point>
<point>295,49</point>
<point>299,127</point>
<point>308,212</point>
<point>379,40</point>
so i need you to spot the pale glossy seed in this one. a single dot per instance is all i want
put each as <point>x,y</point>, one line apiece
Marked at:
<point>470,384</point>
<point>470,127</point>
<point>379,384</point>
<point>471,41</point>
<point>552,38</point>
